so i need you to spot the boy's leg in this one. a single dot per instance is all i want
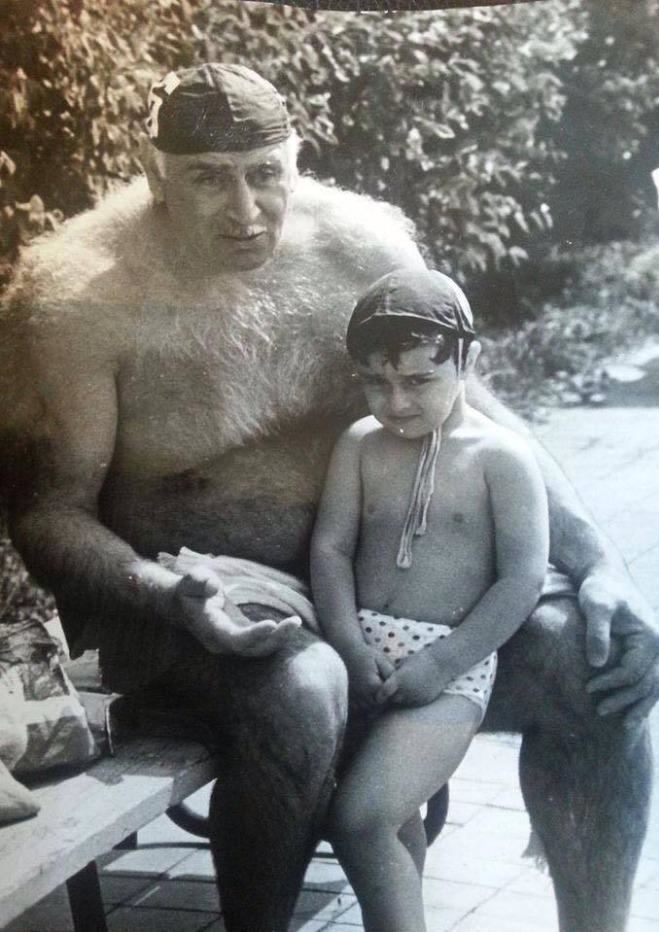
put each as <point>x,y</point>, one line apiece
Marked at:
<point>406,757</point>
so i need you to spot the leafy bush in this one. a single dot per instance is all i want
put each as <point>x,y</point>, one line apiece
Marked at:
<point>72,78</point>
<point>610,125</point>
<point>441,113</point>
<point>608,306</point>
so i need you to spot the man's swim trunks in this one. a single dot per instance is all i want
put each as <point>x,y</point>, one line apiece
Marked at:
<point>397,638</point>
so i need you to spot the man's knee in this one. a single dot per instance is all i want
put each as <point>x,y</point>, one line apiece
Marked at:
<point>314,689</point>
<point>543,673</point>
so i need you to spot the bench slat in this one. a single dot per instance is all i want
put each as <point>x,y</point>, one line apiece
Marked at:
<point>86,814</point>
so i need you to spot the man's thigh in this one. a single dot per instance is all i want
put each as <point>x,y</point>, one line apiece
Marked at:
<point>303,684</point>
<point>543,671</point>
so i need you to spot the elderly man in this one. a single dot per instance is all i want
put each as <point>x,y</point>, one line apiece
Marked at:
<point>175,360</point>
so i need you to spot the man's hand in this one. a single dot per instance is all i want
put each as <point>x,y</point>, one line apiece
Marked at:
<point>614,608</point>
<point>219,625</point>
<point>367,669</point>
<point>418,681</point>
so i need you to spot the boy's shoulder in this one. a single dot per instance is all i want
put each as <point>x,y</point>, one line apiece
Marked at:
<point>360,430</point>
<point>498,444</point>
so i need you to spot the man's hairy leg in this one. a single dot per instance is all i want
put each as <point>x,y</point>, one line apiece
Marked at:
<point>280,721</point>
<point>585,778</point>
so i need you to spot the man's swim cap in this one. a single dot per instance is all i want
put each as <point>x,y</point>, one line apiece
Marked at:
<point>215,108</point>
<point>414,294</point>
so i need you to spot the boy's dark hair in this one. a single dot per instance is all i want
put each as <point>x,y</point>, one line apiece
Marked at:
<point>395,335</point>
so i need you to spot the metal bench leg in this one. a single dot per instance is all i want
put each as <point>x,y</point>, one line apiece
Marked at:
<point>86,901</point>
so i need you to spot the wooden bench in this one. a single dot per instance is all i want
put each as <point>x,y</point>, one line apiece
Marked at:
<point>85,815</point>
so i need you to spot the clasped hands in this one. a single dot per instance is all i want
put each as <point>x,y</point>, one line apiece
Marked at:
<point>375,682</point>
<point>199,602</point>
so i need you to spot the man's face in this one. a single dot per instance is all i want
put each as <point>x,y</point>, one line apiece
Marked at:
<point>227,208</point>
<point>413,398</point>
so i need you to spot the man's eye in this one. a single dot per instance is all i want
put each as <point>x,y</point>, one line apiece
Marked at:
<point>208,178</point>
<point>266,173</point>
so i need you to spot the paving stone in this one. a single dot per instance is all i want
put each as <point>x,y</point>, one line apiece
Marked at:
<point>51,914</point>
<point>539,912</point>
<point>460,813</point>
<point>180,894</point>
<point>637,924</point>
<point>315,904</point>
<point>147,862</point>
<point>447,894</point>
<point>126,919</point>
<point>466,790</point>
<point>326,875</point>
<point>645,904</point>
<point>198,865</point>
<point>466,868</point>
<point>442,920</point>
<point>510,798</point>
<point>532,881</point>
<point>120,888</point>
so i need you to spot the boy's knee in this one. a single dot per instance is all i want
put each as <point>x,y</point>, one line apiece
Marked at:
<point>356,819</point>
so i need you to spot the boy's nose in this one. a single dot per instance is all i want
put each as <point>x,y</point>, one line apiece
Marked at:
<point>399,402</point>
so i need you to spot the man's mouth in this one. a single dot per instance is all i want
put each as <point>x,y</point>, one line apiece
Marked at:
<point>246,238</point>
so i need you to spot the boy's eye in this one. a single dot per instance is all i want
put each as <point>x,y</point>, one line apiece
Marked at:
<point>416,380</point>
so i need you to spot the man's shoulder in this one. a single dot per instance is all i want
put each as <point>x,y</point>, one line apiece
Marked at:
<point>355,231</point>
<point>87,259</point>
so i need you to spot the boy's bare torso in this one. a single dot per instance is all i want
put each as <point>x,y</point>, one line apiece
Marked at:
<point>453,564</point>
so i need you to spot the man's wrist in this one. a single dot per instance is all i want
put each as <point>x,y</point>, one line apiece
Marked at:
<point>155,590</point>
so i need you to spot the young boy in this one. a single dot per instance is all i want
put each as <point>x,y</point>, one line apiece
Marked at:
<point>429,551</point>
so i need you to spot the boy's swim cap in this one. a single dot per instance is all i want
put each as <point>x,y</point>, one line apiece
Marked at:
<point>417,294</point>
<point>215,108</point>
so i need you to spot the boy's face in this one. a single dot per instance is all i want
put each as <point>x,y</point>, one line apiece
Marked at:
<point>416,396</point>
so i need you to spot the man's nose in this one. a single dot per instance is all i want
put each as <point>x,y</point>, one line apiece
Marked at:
<point>242,207</point>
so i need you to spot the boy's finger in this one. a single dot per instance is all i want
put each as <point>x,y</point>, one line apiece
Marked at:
<point>387,689</point>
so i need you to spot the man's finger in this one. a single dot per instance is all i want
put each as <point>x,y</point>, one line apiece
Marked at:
<point>613,679</point>
<point>637,715</point>
<point>598,634</point>
<point>621,699</point>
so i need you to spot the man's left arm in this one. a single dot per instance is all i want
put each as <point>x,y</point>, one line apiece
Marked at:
<point>609,599</point>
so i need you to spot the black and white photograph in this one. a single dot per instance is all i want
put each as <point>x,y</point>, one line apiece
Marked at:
<point>329,465</point>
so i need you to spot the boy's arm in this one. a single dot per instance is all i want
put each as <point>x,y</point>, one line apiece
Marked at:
<point>609,600</point>
<point>521,534</point>
<point>333,545</point>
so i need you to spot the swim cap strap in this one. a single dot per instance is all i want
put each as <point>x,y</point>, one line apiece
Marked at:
<point>424,485</point>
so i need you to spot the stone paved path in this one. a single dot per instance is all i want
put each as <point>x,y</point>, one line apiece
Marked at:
<point>475,879</point>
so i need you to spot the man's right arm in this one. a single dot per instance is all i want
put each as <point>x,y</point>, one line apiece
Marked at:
<point>67,452</point>
<point>54,514</point>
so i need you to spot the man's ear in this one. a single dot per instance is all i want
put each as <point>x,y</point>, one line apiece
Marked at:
<point>153,169</point>
<point>473,353</point>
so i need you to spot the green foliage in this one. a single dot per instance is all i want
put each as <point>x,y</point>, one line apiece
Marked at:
<point>610,126</point>
<point>609,305</point>
<point>72,84</point>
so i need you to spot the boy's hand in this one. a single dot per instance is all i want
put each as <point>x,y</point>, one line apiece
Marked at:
<point>418,681</point>
<point>367,670</point>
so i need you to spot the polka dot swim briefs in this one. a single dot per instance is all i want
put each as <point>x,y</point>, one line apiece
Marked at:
<point>397,638</point>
